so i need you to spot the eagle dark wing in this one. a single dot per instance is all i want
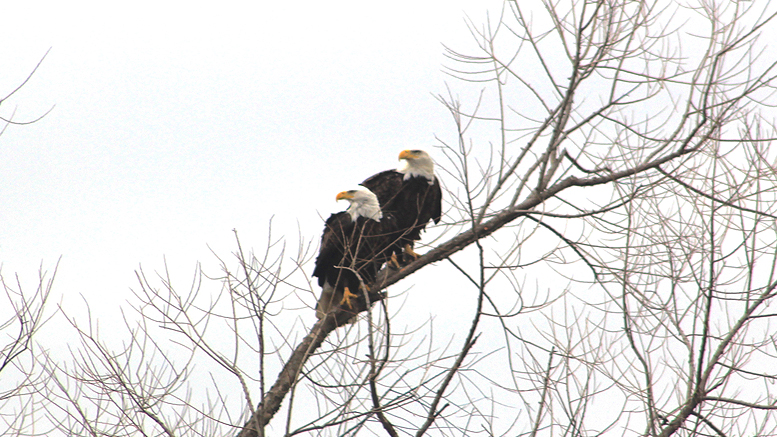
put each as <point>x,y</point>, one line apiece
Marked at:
<point>387,186</point>
<point>332,248</point>
<point>435,199</point>
<point>422,202</point>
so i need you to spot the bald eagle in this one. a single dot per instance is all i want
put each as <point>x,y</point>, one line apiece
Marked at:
<point>355,241</point>
<point>412,193</point>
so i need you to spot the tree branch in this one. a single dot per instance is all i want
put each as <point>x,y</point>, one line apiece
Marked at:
<point>388,277</point>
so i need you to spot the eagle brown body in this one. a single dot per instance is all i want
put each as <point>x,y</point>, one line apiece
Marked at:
<point>355,244</point>
<point>412,193</point>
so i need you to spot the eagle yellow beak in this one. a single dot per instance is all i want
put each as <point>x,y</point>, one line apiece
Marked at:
<point>406,154</point>
<point>344,195</point>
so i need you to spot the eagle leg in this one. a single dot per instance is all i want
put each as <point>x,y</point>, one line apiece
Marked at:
<point>394,262</point>
<point>347,295</point>
<point>409,251</point>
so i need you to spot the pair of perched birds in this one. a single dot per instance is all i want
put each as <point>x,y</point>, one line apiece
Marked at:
<point>385,217</point>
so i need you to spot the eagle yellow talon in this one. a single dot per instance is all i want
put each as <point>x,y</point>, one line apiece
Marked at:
<point>409,250</point>
<point>347,295</point>
<point>394,262</point>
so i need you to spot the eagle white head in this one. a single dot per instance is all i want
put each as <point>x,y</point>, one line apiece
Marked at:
<point>363,203</point>
<point>416,163</point>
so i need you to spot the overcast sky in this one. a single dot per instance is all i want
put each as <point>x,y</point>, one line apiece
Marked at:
<point>174,123</point>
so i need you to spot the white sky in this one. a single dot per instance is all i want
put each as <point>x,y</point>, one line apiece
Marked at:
<point>178,122</point>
